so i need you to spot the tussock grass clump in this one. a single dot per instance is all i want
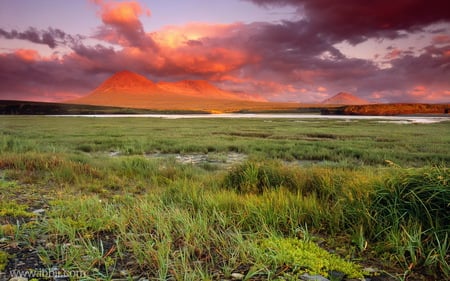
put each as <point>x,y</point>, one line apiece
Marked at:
<point>328,184</point>
<point>411,215</point>
<point>421,195</point>
<point>59,166</point>
<point>254,177</point>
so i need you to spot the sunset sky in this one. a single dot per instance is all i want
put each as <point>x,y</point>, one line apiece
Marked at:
<point>283,50</point>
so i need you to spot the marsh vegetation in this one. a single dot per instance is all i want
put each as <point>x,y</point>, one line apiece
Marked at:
<point>110,198</point>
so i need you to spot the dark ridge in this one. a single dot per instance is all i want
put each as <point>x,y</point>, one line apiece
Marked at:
<point>14,107</point>
<point>388,109</point>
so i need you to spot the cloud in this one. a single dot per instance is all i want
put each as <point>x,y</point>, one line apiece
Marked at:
<point>122,24</point>
<point>52,37</point>
<point>200,49</point>
<point>26,75</point>
<point>393,54</point>
<point>284,61</point>
<point>27,55</point>
<point>356,20</point>
<point>441,39</point>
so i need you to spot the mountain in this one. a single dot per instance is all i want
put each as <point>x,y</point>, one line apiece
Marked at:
<point>345,99</point>
<point>198,88</point>
<point>128,89</point>
<point>127,82</point>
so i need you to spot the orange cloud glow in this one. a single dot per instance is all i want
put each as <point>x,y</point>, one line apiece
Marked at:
<point>178,36</point>
<point>210,60</point>
<point>419,91</point>
<point>393,54</point>
<point>122,13</point>
<point>322,89</point>
<point>441,39</point>
<point>27,54</point>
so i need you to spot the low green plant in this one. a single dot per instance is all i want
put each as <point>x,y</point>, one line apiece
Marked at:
<point>14,209</point>
<point>3,260</point>
<point>306,257</point>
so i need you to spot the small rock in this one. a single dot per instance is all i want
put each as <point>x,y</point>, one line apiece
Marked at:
<point>371,270</point>
<point>308,277</point>
<point>39,212</point>
<point>237,276</point>
<point>18,279</point>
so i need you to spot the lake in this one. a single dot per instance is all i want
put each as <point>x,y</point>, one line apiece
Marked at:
<point>383,119</point>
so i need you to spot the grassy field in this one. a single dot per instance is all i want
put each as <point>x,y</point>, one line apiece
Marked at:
<point>110,199</point>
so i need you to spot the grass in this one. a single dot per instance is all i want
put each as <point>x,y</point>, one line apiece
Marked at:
<point>412,215</point>
<point>362,190</point>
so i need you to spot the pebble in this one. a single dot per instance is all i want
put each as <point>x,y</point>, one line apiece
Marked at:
<point>237,276</point>
<point>308,277</point>
<point>371,270</point>
<point>39,212</point>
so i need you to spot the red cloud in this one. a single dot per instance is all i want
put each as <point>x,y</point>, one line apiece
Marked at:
<point>395,53</point>
<point>122,14</point>
<point>441,39</point>
<point>27,55</point>
<point>121,23</point>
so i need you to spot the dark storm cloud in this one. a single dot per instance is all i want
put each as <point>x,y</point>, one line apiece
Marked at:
<point>52,37</point>
<point>356,20</point>
<point>37,79</point>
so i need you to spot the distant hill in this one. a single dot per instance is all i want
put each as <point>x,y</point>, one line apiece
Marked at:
<point>345,99</point>
<point>128,89</point>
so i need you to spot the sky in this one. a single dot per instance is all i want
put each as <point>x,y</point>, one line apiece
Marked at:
<point>283,50</point>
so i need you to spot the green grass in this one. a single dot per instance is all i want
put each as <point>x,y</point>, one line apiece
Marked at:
<point>411,211</point>
<point>355,143</point>
<point>362,190</point>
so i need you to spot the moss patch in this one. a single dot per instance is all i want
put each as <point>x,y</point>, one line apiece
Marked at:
<point>307,257</point>
<point>3,260</point>
<point>14,209</point>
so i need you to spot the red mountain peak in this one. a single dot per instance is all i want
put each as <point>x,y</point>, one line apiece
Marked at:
<point>345,98</point>
<point>128,89</point>
<point>126,81</point>
<point>197,88</point>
